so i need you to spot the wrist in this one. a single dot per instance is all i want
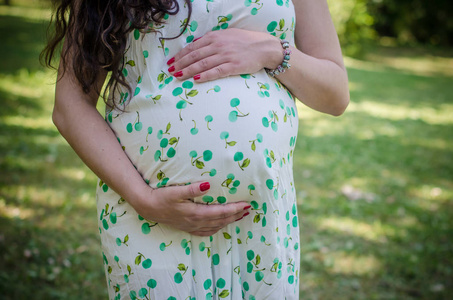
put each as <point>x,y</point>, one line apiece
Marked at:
<point>274,54</point>
<point>284,65</point>
<point>139,195</point>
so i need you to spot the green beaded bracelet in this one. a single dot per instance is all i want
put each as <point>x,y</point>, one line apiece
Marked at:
<point>285,63</point>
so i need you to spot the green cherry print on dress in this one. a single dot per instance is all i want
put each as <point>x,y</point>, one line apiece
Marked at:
<point>238,133</point>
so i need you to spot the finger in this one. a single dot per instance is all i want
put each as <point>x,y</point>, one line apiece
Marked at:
<point>222,223</point>
<point>218,63</point>
<point>243,216</point>
<point>188,55</point>
<point>204,233</point>
<point>229,212</point>
<point>195,45</point>
<point>207,231</point>
<point>196,62</point>
<point>195,215</point>
<point>216,72</point>
<point>188,191</point>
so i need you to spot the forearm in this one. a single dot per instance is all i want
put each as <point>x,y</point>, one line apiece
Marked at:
<point>317,76</point>
<point>319,83</point>
<point>95,143</point>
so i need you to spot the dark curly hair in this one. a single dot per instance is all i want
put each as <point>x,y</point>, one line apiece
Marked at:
<point>96,34</point>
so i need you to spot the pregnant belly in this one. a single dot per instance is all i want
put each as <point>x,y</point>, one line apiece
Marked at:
<point>237,133</point>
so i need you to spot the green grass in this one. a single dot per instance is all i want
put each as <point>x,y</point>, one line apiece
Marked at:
<point>375,186</point>
<point>376,189</point>
<point>49,241</point>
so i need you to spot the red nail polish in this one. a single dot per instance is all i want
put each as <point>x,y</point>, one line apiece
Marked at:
<point>247,207</point>
<point>239,219</point>
<point>178,74</point>
<point>170,61</point>
<point>246,214</point>
<point>196,39</point>
<point>171,69</point>
<point>205,186</point>
<point>196,77</point>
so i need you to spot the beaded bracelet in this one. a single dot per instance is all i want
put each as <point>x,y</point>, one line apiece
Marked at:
<point>285,63</point>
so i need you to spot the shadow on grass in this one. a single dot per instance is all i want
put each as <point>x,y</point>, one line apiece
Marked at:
<point>49,242</point>
<point>411,52</point>
<point>399,88</point>
<point>414,263</point>
<point>13,104</point>
<point>414,255</point>
<point>49,263</point>
<point>22,41</point>
<point>51,246</point>
<point>26,172</point>
<point>395,145</point>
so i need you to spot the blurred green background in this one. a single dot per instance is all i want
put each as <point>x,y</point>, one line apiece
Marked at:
<point>375,186</point>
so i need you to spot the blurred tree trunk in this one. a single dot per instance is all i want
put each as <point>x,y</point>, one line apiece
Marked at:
<point>7,2</point>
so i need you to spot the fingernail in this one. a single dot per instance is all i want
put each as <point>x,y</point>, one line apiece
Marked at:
<point>171,69</point>
<point>204,186</point>
<point>196,39</point>
<point>196,77</point>
<point>247,207</point>
<point>170,61</point>
<point>244,215</point>
<point>178,74</point>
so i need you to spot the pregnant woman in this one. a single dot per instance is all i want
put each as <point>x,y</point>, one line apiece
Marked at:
<point>196,198</point>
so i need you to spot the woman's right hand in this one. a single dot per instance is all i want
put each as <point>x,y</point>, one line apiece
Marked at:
<point>174,206</point>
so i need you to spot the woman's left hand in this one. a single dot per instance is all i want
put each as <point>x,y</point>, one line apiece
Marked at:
<point>227,52</point>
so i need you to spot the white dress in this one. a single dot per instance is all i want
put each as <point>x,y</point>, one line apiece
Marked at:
<point>239,134</point>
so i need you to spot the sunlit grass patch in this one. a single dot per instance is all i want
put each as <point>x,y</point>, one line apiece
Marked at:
<point>358,265</point>
<point>34,14</point>
<point>428,114</point>
<point>375,231</point>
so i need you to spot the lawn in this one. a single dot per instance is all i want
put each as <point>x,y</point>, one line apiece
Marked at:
<point>375,186</point>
